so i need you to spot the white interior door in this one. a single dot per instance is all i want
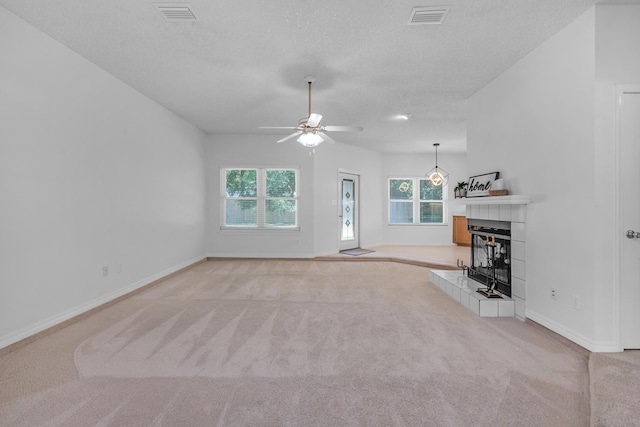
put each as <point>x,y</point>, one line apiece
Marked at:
<point>349,215</point>
<point>629,140</point>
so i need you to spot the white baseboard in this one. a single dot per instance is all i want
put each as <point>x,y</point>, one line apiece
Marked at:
<point>581,340</point>
<point>257,255</point>
<point>38,327</point>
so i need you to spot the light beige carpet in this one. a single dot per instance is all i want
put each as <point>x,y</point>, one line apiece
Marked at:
<point>615,389</point>
<point>294,343</point>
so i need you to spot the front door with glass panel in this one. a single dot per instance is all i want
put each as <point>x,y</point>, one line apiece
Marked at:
<point>349,219</point>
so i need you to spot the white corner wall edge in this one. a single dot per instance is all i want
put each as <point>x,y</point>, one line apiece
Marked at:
<point>7,340</point>
<point>594,347</point>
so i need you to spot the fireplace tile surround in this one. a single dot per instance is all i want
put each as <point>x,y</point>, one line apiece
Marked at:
<point>462,289</point>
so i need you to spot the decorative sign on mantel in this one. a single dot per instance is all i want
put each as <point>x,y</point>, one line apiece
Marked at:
<point>480,185</point>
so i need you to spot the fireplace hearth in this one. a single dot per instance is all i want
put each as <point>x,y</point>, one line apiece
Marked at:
<point>491,255</point>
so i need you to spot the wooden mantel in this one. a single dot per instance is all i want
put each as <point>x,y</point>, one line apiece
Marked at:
<point>492,200</point>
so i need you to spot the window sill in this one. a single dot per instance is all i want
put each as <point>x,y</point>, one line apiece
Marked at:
<point>256,230</point>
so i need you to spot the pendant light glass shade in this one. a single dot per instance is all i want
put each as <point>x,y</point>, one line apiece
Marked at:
<point>437,176</point>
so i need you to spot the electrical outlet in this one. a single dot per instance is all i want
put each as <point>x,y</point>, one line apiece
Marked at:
<point>105,271</point>
<point>554,294</point>
<point>575,302</point>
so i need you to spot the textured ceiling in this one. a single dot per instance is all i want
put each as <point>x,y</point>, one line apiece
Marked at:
<point>242,64</point>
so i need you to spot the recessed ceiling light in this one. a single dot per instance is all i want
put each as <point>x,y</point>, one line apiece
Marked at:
<point>402,117</point>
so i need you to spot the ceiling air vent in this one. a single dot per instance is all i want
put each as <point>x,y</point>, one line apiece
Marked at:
<point>428,15</point>
<point>176,12</point>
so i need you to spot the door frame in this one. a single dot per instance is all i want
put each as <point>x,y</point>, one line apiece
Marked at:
<point>357,205</point>
<point>621,90</point>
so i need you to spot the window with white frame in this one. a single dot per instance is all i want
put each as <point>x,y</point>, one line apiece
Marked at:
<point>416,201</point>
<point>259,198</point>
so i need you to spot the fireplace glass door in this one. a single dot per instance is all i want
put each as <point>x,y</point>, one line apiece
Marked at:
<point>491,258</point>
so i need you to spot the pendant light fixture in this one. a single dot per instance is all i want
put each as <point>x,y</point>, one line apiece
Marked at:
<point>437,176</point>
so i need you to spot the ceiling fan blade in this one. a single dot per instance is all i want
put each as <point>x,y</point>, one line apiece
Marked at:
<point>293,135</point>
<point>278,127</point>
<point>327,138</point>
<point>314,120</point>
<point>343,128</point>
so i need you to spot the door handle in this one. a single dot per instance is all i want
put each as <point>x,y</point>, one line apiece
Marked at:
<point>633,234</point>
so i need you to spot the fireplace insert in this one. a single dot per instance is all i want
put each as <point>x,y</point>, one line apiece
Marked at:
<point>491,254</point>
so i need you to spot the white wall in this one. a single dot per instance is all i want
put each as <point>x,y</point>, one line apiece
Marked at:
<point>317,215</point>
<point>617,38</point>
<point>548,124</point>
<point>92,174</point>
<point>417,165</point>
<point>318,211</point>
<point>258,151</point>
<point>535,124</point>
<point>617,62</point>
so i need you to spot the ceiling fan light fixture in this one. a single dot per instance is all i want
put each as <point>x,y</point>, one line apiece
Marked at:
<point>309,132</point>
<point>310,139</point>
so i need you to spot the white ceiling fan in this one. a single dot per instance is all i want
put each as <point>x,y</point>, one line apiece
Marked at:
<point>309,131</point>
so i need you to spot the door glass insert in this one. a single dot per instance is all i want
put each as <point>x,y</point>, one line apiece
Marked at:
<point>348,218</point>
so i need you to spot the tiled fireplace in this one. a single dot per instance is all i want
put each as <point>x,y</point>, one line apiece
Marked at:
<point>510,210</point>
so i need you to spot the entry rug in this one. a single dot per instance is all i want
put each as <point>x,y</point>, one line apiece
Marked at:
<point>356,252</point>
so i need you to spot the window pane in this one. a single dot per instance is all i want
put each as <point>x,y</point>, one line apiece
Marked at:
<point>431,212</point>
<point>280,213</point>
<point>281,183</point>
<point>428,191</point>
<point>401,189</point>
<point>241,213</point>
<point>241,183</point>
<point>400,212</point>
